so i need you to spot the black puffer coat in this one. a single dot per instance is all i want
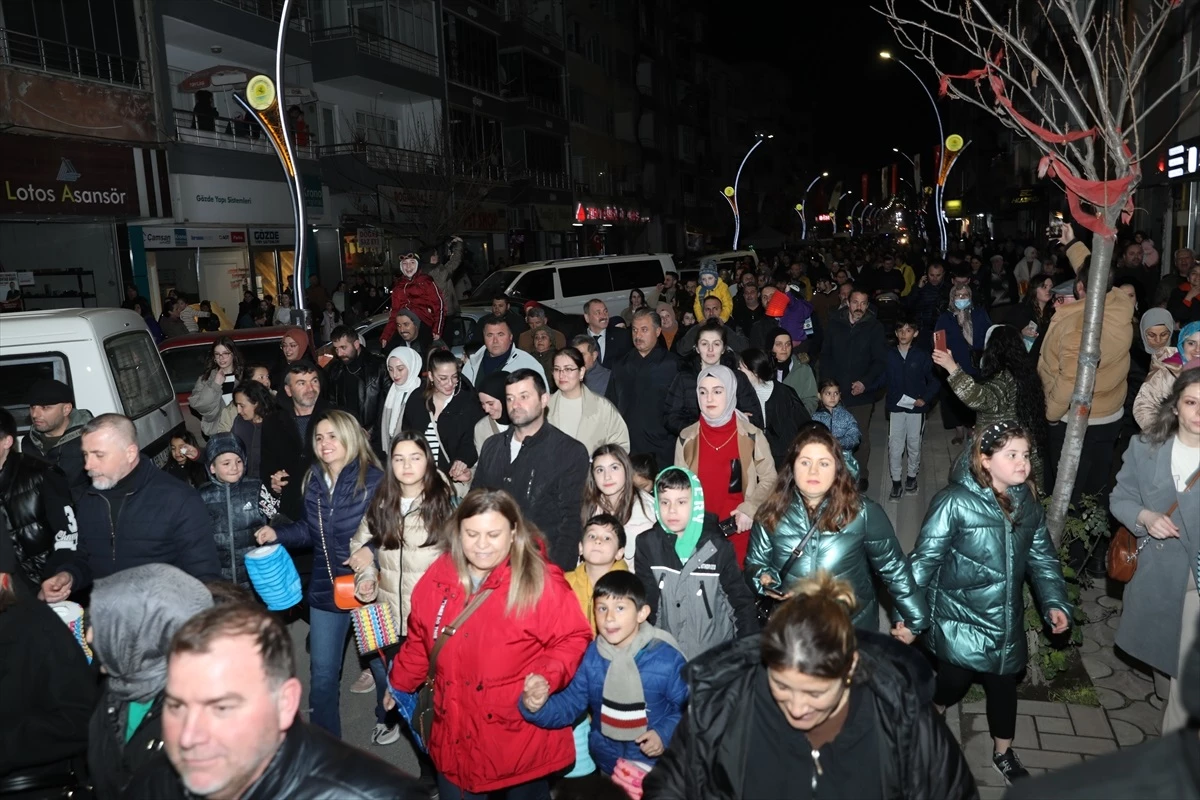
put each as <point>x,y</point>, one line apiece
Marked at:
<point>235,510</point>
<point>682,405</point>
<point>112,761</point>
<point>36,499</point>
<point>309,765</point>
<point>920,758</point>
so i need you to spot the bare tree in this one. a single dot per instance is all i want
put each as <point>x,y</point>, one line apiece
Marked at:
<point>427,191</point>
<point>1070,75</point>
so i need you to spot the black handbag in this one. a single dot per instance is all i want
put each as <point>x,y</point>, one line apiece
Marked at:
<point>422,719</point>
<point>766,605</point>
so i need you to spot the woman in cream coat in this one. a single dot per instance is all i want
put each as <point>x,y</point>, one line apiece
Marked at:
<point>578,411</point>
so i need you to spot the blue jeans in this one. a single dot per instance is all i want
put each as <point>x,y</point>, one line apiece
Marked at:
<point>534,790</point>
<point>379,671</point>
<point>328,631</point>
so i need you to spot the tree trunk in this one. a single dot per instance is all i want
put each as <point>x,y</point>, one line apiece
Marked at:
<point>1085,377</point>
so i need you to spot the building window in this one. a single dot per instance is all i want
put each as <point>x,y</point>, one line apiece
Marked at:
<point>475,137</point>
<point>377,129</point>
<point>577,102</point>
<point>544,153</point>
<point>87,38</point>
<point>472,55</point>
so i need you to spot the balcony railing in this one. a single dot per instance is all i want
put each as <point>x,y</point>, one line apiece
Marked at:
<point>473,79</point>
<point>542,28</point>
<point>550,107</point>
<point>270,9</point>
<point>546,179</point>
<point>476,171</point>
<point>379,46</point>
<point>21,49</point>
<point>386,157</point>
<point>231,134</point>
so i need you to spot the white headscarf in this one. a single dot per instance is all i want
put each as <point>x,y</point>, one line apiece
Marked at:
<point>398,394</point>
<point>729,381</point>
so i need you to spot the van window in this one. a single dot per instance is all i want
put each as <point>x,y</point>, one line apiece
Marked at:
<point>628,274</point>
<point>586,280</point>
<point>494,285</point>
<point>138,372</point>
<point>537,285</point>
<point>17,374</point>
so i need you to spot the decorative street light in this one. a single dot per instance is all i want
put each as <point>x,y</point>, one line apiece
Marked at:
<point>937,192</point>
<point>862,219</point>
<point>730,193</point>
<point>852,210</point>
<point>800,208</point>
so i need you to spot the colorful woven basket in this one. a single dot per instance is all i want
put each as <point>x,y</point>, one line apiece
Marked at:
<point>374,627</point>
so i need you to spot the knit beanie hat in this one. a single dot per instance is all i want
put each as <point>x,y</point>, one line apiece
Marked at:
<point>408,312</point>
<point>709,267</point>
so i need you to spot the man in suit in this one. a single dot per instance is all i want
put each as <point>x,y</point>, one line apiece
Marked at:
<point>613,342</point>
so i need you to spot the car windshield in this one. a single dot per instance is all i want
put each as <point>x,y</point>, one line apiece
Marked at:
<point>495,284</point>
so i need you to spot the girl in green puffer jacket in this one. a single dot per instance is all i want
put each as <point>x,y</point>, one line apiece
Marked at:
<point>981,534</point>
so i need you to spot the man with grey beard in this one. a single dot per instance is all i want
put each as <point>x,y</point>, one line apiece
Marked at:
<point>133,514</point>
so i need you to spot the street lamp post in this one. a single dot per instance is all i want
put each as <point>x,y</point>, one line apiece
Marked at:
<point>730,193</point>
<point>937,191</point>
<point>862,219</point>
<point>803,222</point>
<point>852,210</point>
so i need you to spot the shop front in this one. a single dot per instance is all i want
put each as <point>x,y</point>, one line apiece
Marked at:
<point>64,210</point>
<point>232,236</point>
<point>609,229</point>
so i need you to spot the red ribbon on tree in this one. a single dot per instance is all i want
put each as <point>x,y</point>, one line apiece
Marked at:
<point>1097,193</point>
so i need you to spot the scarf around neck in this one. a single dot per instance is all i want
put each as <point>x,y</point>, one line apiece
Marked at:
<point>398,393</point>
<point>685,543</point>
<point>623,713</point>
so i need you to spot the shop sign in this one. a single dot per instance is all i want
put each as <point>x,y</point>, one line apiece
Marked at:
<point>182,238</point>
<point>41,175</point>
<point>272,237</point>
<point>611,215</point>
<point>205,198</point>
<point>494,220</point>
<point>369,239</point>
<point>1183,160</point>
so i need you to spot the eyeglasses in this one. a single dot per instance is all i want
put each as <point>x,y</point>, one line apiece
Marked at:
<point>565,370</point>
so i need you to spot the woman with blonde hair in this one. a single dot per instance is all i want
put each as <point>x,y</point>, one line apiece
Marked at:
<point>337,491</point>
<point>609,489</point>
<point>516,626</point>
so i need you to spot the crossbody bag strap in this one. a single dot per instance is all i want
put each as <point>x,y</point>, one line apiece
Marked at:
<point>451,629</point>
<point>321,533</point>
<point>795,556</point>
<point>1191,482</point>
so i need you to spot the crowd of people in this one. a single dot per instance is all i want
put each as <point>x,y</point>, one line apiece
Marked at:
<point>646,560</point>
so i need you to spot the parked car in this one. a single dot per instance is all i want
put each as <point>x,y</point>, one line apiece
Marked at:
<point>464,327</point>
<point>184,358</point>
<point>108,358</point>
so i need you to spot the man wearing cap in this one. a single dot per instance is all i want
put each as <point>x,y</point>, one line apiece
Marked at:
<point>411,333</point>
<point>419,292</point>
<point>535,317</point>
<point>55,429</point>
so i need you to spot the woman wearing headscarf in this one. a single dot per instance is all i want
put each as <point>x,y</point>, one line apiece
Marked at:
<point>731,457</point>
<point>133,614</point>
<point>542,349</point>
<point>404,368</point>
<point>495,411</point>
<point>1165,362</point>
<point>294,345</point>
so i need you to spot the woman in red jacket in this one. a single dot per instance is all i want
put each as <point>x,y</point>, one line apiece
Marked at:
<point>529,627</point>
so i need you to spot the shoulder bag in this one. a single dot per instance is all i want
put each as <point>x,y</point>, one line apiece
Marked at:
<point>766,605</point>
<point>1124,550</point>
<point>422,716</point>
<point>343,585</point>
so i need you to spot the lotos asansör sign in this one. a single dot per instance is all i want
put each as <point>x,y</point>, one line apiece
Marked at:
<point>39,175</point>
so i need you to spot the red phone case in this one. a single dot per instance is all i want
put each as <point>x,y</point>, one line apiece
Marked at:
<point>939,340</point>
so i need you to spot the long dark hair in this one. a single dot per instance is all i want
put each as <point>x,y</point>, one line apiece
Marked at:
<point>841,504</point>
<point>259,395</point>
<point>385,520</point>
<point>1005,352</point>
<point>593,498</point>
<point>438,357</point>
<point>1041,317</point>
<point>210,363</point>
<point>1166,421</point>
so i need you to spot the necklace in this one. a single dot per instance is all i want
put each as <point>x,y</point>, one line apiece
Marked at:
<point>723,444</point>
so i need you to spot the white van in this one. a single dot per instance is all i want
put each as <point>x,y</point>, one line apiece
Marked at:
<point>107,357</point>
<point>566,284</point>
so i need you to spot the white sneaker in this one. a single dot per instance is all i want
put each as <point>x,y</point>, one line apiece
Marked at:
<point>364,684</point>
<point>383,735</point>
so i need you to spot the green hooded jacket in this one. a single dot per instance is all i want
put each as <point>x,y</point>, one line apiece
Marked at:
<point>971,560</point>
<point>867,543</point>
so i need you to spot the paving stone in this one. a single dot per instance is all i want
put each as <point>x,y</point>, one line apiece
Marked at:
<point>1102,635</point>
<point>1126,684</point>
<point>1127,733</point>
<point>1145,716</point>
<point>1077,744</point>
<point>1089,721</point>
<point>1113,622</point>
<point>1158,703</point>
<point>1093,611</point>
<point>1117,662</point>
<point>1046,759</point>
<point>1036,771</point>
<point>1089,646</point>
<point>1041,708</point>
<point>1026,732</point>
<point>1055,725</point>
<point>1109,602</point>
<point>1110,700</point>
<point>974,707</point>
<point>991,792</point>
<point>1096,668</point>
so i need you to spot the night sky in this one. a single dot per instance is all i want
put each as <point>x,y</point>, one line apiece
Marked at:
<point>861,105</point>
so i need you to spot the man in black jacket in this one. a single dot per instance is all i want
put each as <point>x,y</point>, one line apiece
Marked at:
<point>254,748</point>
<point>357,379</point>
<point>287,437</point>
<point>133,514</point>
<point>638,388</point>
<point>55,426</point>
<point>543,468</point>
<point>855,355</point>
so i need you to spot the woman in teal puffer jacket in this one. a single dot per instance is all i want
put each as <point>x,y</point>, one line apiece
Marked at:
<point>816,511</point>
<point>982,534</point>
